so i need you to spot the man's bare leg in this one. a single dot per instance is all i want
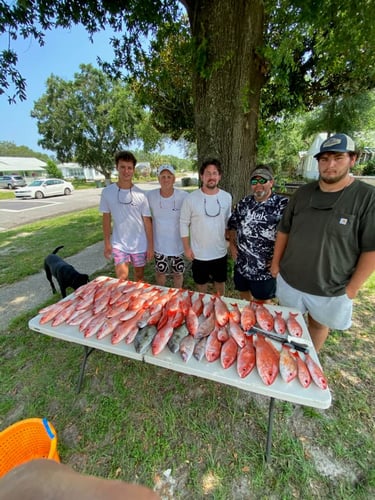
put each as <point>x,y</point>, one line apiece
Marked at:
<point>318,332</point>
<point>219,287</point>
<point>202,288</point>
<point>122,271</point>
<point>161,279</point>
<point>178,280</point>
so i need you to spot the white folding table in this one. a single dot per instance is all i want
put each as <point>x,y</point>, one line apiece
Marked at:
<point>293,391</point>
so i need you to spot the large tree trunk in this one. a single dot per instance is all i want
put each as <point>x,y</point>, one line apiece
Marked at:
<point>227,82</point>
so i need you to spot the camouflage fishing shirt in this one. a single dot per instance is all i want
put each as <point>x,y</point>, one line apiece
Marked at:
<point>255,223</point>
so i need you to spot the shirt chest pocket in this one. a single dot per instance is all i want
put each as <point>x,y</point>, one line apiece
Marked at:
<point>342,225</point>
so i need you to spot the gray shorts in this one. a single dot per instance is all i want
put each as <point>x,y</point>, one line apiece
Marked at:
<point>334,312</point>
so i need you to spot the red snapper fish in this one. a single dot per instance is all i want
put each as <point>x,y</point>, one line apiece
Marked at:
<point>197,304</point>
<point>126,328</point>
<point>206,327</point>
<point>279,323</point>
<point>303,373</point>
<point>63,315</point>
<point>186,301</point>
<point>94,325</point>
<point>222,333</point>
<point>287,365</point>
<point>237,333</point>
<point>228,354</point>
<point>192,322</point>
<point>50,312</point>
<point>294,328</point>
<point>213,347</point>
<point>87,300</point>
<point>221,311</point>
<point>248,318</point>
<point>235,313</point>
<point>76,319</point>
<point>246,358</point>
<point>267,360</point>
<point>316,372</point>
<point>107,327</point>
<point>208,307</point>
<point>162,337</point>
<point>264,318</point>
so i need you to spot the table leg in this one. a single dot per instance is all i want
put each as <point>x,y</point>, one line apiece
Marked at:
<point>269,430</point>
<point>88,351</point>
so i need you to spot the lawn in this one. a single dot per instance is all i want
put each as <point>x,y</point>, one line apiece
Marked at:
<point>190,438</point>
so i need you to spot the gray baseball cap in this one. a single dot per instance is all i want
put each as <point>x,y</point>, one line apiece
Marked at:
<point>337,143</point>
<point>265,173</point>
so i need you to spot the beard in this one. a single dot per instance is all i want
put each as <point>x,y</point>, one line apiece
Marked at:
<point>211,185</point>
<point>335,179</point>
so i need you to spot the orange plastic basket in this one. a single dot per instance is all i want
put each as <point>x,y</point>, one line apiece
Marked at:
<point>27,440</point>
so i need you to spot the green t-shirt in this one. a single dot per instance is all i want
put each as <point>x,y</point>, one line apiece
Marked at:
<point>327,234</point>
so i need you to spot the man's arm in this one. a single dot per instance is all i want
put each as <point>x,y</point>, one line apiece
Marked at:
<point>189,254</point>
<point>149,235</point>
<point>279,249</point>
<point>231,236</point>
<point>365,267</point>
<point>107,228</point>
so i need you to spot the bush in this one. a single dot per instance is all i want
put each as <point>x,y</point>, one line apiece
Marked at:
<point>369,168</point>
<point>186,181</point>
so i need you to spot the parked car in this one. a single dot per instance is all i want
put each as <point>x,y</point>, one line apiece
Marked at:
<point>41,188</point>
<point>12,181</point>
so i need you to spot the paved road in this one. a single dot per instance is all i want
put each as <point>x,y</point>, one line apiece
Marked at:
<point>16,212</point>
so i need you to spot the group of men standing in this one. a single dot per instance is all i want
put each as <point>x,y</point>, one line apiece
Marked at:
<point>313,252</point>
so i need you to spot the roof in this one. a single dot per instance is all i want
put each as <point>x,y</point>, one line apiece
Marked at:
<point>18,164</point>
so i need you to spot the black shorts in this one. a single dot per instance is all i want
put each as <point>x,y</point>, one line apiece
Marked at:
<point>205,271</point>
<point>262,289</point>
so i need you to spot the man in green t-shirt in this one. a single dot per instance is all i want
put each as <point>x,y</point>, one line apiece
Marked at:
<point>325,244</point>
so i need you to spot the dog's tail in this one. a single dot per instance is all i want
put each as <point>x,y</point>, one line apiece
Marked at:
<point>58,248</point>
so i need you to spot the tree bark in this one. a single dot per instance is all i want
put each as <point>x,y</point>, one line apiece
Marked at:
<point>227,81</point>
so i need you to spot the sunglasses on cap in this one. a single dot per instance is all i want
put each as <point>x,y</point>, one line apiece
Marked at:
<point>254,182</point>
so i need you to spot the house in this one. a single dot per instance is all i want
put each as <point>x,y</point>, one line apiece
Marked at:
<point>308,166</point>
<point>143,168</point>
<point>26,166</point>
<point>76,171</point>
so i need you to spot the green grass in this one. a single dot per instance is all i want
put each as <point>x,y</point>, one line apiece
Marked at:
<point>134,421</point>
<point>29,244</point>
<point>6,194</point>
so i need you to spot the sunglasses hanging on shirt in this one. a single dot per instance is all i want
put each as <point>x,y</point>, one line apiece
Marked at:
<point>214,213</point>
<point>125,198</point>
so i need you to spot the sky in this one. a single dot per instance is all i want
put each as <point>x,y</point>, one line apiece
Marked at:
<point>61,55</point>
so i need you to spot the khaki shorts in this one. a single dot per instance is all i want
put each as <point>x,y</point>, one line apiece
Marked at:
<point>334,312</point>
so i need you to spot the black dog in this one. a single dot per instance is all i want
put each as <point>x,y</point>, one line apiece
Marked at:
<point>65,274</point>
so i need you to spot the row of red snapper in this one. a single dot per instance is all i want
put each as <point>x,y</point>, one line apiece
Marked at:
<point>182,320</point>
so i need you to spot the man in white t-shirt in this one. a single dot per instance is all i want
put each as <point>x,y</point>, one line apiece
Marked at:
<point>165,204</point>
<point>203,221</point>
<point>127,207</point>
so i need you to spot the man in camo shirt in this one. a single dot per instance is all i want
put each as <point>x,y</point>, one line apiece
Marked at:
<point>252,233</point>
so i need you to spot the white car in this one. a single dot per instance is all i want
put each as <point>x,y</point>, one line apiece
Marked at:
<point>41,188</point>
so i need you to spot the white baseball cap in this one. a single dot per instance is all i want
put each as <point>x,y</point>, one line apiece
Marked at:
<point>166,167</point>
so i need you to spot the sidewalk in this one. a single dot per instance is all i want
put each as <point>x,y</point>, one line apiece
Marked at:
<point>29,293</point>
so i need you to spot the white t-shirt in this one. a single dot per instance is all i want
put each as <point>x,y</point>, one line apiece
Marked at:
<point>204,218</point>
<point>127,208</point>
<point>165,214</point>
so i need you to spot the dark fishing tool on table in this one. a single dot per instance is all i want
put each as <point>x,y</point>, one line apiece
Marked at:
<point>297,343</point>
